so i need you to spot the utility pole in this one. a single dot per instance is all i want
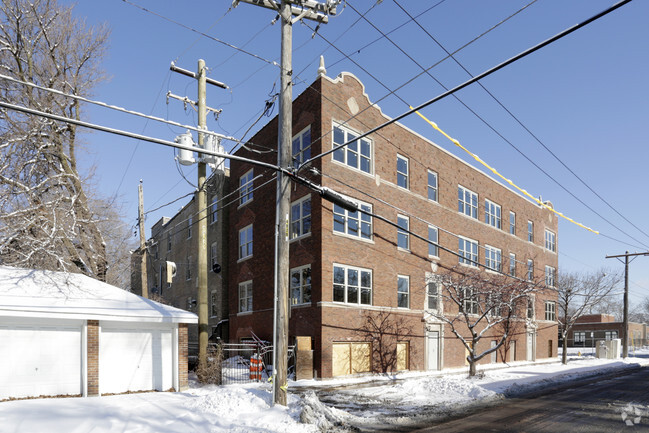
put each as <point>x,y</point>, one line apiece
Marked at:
<point>143,271</point>
<point>201,206</point>
<point>312,10</point>
<point>625,329</point>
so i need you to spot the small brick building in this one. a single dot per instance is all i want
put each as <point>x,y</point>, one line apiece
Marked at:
<point>349,270</point>
<point>590,328</point>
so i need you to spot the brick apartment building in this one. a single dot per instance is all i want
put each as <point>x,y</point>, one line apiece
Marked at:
<point>349,269</point>
<point>591,328</point>
<point>175,240</point>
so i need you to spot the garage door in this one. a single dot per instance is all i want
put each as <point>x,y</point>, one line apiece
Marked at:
<point>40,360</point>
<point>349,358</point>
<point>134,359</point>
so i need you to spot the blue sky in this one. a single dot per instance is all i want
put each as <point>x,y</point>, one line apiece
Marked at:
<point>584,97</point>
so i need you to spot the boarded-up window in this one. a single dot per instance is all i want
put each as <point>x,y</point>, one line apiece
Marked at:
<point>403,355</point>
<point>350,358</point>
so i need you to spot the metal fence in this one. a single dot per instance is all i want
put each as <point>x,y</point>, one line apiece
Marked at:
<point>248,362</point>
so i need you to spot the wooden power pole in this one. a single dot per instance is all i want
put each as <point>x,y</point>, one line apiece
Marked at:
<point>313,10</point>
<point>143,271</point>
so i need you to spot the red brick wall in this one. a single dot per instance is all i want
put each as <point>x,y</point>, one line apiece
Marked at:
<point>93,357</point>
<point>183,381</point>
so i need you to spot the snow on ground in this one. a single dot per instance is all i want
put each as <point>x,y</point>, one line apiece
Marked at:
<point>246,408</point>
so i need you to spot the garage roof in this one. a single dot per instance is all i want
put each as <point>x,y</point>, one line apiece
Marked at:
<point>35,293</point>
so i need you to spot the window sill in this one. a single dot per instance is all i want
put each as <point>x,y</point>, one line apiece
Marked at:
<point>354,238</point>
<point>300,237</point>
<point>243,259</point>
<point>244,313</point>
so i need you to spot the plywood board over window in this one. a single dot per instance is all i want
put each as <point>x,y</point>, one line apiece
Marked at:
<point>351,358</point>
<point>403,355</point>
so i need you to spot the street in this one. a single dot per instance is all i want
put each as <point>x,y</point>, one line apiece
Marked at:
<point>614,404</point>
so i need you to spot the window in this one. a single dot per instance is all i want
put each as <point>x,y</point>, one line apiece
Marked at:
<point>358,154</point>
<point>188,269</point>
<point>492,213</point>
<point>189,227</point>
<point>469,301</point>
<point>432,185</point>
<point>356,224</point>
<point>214,207</point>
<point>245,187</point>
<point>432,293</point>
<point>530,231</point>
<point>302,147</point>
<point>530,308</point>
<point>468,250</point>
<point>492,258</point>
<point>549,276</point>
<point>214,304</point>
<point>433,234</point>
<point>580,337</point>
<point>168,241</point>
<point>550,241</point>
<point>512,223</point>
<point>403,237</point>
<point>403,291</point>
<point>214,254</point>
<point>467,202</point>
<point>530,270</point>
<point>352,285</point>
<point>301,285</point>
<point>301,217</point>
<point>245,242</point>
<point>402,171</point>
<point>512,264</point>
<point>610,335</point>
<point>245,297</point>
<point>551,311</point>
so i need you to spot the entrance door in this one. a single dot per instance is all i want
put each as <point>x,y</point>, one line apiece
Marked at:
<point>530,347</point>
<point>433,350</point>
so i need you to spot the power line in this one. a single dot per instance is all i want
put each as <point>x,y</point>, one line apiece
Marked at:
<point>508,111</point>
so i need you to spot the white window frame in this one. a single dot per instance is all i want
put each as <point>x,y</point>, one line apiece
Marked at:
<point>551,311</point>
<point>492,214</point>
<point>550,276</point>
<point>432,188</point>
<point>403,177</point>
<point>299,223</point>
<point>550,241</point>
<point>345,284</point>
<point>470,303</point>
<point>512,223</point>
<point>214,255</point>
<point>214,207</point>
<point>579,336</point>
<point>610,335</point>
<point>403,232</point>
<point>493,258</point>
<point>361,220</point>
<point>245,297</point>
<point>531,307</point>
<point>530,270</point>
<point>433,281</point>
<point>403,291</point>
<point>467,202</point>
<point>342,156</point>
<point>512,264</point>
<point>246,186</point>
<point>245,245</point>
<point>302,287</point>
<point>468,257</point>
<point>433,236</point>
<point>530,231</point>
<point>299,156</point>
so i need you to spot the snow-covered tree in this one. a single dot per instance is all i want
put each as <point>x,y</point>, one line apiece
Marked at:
<point>478,305</point>
<point>46,218</point>
<point>580,294</point>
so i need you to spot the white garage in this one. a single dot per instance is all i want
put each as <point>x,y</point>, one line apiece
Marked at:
<point>67,334</point>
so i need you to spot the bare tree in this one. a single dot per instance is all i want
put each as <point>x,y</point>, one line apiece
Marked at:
<point>46,219</point>
<point>579,294</point>
<point>483,305</point>
<point>384,330</point>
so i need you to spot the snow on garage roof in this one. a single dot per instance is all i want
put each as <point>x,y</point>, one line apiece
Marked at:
<point>35,293</point>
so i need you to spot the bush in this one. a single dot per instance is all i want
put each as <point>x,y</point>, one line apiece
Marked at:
<point>209,371</point>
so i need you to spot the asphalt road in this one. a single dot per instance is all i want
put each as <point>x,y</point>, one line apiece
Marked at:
<point>613,404</point>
